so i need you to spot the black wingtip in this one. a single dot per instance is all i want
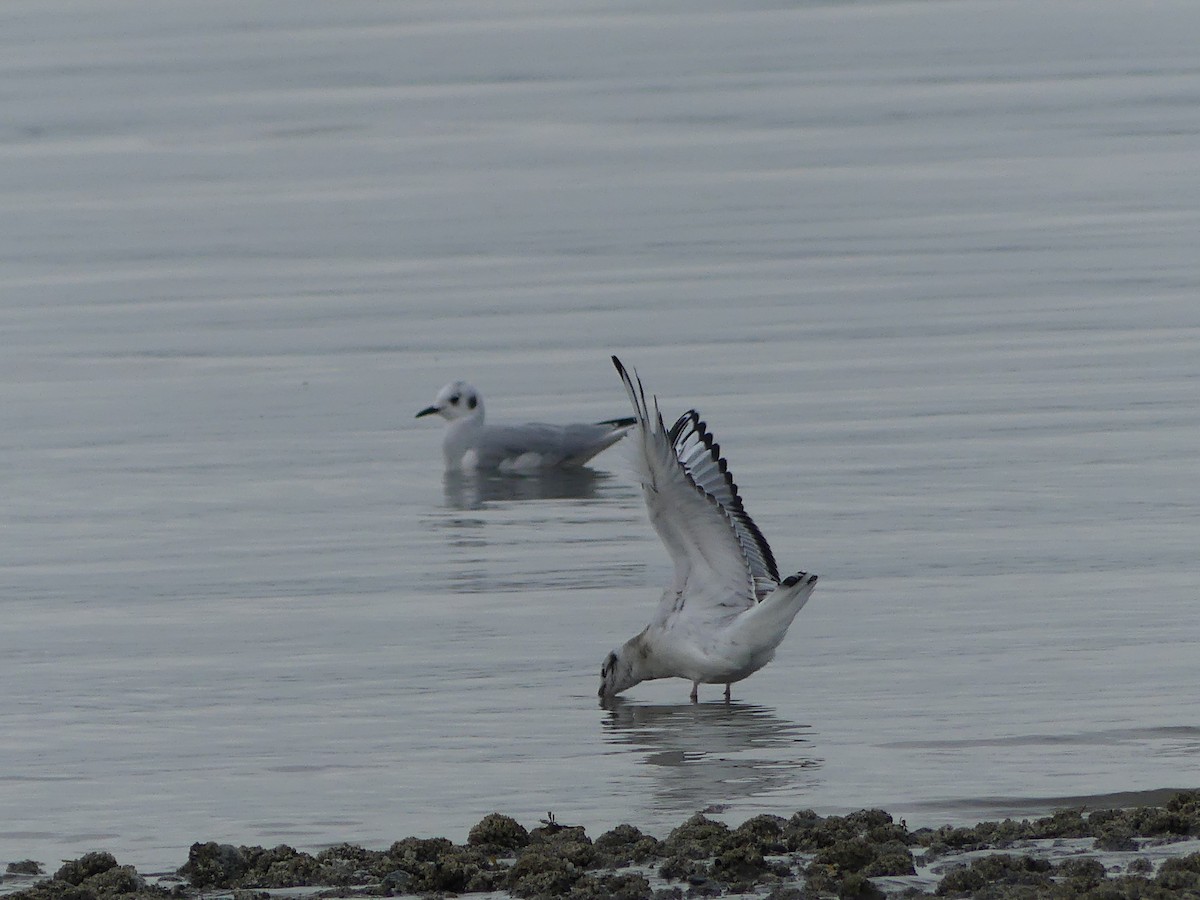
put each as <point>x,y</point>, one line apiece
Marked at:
<point>637,393</point>
<point>624,373</point>
<point>793,580</point>
<point>691,423</point>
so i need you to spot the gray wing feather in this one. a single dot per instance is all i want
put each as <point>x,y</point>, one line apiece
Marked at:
<point>556,444</point>
<point>700,456</point>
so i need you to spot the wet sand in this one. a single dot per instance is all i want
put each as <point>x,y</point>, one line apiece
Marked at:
<point>1146,851</point>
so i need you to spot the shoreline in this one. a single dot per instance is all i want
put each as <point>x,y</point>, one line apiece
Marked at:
<point>1135,851</point>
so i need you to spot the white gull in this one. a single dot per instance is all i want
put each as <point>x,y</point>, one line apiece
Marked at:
<point>472,445</point>
<point>726,610</point>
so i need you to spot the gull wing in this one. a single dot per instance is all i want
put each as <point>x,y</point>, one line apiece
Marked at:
<point>582,442</point>
<point>715,577</point>
<point>700,455</point>
<point>553,444</point>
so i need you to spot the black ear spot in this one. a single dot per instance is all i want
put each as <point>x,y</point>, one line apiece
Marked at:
<point>610,663</point>
<point>472,402</point>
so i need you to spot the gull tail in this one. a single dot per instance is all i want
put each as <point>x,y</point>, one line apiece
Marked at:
<point>767,622</point>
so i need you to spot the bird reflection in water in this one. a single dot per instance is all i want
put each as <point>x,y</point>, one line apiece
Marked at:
<point>712,755</point>
<point>497,535</point>
<point>474,490</point>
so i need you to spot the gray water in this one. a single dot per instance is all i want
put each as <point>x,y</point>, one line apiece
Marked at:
<point>928,269</point>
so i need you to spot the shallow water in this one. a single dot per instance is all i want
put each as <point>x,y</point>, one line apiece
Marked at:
<point>928,270</point>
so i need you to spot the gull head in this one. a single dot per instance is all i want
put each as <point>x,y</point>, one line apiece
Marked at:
<point>616,674</point>
<point>457,400</point>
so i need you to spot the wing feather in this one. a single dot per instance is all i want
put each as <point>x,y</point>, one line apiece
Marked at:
<point>700,455</point>
<point>708,540</point>
<point>556,444</point>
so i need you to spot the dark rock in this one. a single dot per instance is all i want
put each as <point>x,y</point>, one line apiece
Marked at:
<point>345,865</point>
<point>624,845</point>
<point>765,833</point>
<point>1065,823</point>
<point>1081,874</point>
<point>1114,835</point>
<point>1154,822</point>
<point>857,886</point>
<point>348,858</point>
<point>214,865</point>
<point>877,825</point>
<point>612,886</point>
<point>742,867</point>
<point>1185,802</point>
<point>1139,866</point>
<point>1000,868</point>
<point>398,882</point>
<point>807,832</point>
<point>570,843</point>
<point>681,868</point>
<point>861,855</point>
<point>53,889</point>
<point>280,866</point>
<point>785,892</point>
<point>537,874</point>
<point>702,887</point>
<point>420,849</point>
<point>1180,873</point>
<point>434,865</point>
<point>698,838</point>
<point>820,878</point>
<point>845,856</point>
<point>485,878</point>
<point>117,880</point>
<point>23,867</point>
<point>890,858</point>
<point>499,833</point>
<point>94,876</point>
<point>997,835</point>
<point>78,870</point>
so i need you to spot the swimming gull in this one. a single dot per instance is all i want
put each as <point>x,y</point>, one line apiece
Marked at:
<point>726,610</point>
<point>471,445</point>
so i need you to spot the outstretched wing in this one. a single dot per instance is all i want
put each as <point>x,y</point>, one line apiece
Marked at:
<point>713,570</point>
<point>700,455</point>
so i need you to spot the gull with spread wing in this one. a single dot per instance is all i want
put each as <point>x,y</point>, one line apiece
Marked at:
<point>726,610</point>
<point>472,445</point>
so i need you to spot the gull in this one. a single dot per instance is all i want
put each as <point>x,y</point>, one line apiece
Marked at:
<point>726,609</point>
<point>470,445</point>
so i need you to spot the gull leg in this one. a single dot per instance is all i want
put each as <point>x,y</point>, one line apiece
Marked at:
<point>727,693</point>
<point>695,685</point>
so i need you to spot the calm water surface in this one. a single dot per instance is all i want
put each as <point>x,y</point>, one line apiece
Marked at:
<point>929,270</point>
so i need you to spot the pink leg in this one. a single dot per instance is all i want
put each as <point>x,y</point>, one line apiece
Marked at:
<point>695,685</point>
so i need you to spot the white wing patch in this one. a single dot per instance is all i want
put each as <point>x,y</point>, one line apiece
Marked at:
<point>524,463</point>
<point>469,461</point>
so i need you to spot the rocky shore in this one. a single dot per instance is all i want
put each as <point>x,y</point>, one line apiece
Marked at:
<point>1145,852</point>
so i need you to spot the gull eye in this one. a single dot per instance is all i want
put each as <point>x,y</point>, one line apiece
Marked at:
<point>454,398</point>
